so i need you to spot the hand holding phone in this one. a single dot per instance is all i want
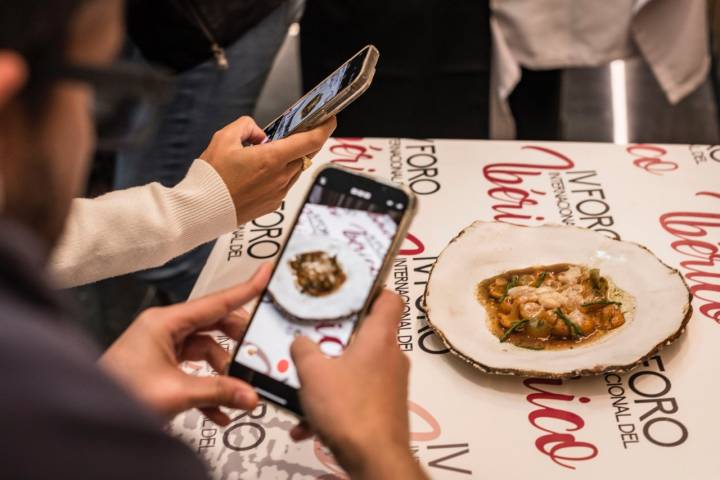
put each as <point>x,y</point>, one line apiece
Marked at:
<point>259,178</point>
<point>373,366</point>
<point>340,247</point>
<point>357,404</point>
<point>146,358</point>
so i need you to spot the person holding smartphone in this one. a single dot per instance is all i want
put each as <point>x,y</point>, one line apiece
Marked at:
<point>220,52</point>
<point>138,228</point>
<point>68,417</point>
<point>227,186</point>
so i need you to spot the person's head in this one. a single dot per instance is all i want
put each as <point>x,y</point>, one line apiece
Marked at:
<point>46,128</point>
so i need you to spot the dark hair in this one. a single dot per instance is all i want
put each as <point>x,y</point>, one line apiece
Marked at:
<point>38,30</point>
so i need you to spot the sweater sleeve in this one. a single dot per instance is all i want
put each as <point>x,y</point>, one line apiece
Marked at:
<point>142,227</point>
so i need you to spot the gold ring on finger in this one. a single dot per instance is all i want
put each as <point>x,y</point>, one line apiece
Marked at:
<point>307,162</point>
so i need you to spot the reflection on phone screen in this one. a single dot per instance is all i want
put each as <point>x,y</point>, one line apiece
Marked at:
<point>323,278</point>
<point>316,99</point>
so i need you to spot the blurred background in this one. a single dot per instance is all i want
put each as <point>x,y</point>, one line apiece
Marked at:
<point>619,101</point>
<point>587,98</point>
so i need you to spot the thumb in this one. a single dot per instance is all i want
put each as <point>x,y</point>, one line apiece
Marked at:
<point>379,328</point>
<point>302,351</point>
<point>218,390</point>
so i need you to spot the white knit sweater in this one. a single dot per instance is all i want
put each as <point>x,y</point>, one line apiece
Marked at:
<point>142,227</point>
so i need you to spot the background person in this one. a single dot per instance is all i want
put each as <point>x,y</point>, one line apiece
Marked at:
<point>535,40</point>
<point>221,52</point>
<point>433,76</point>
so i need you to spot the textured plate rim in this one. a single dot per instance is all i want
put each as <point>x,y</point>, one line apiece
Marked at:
<point>597,370</point>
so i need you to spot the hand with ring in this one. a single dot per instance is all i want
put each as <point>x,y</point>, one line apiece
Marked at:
<point>259,176</point>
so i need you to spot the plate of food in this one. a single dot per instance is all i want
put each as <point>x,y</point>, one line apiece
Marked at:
<point>320,279</point>
<point>553,301</point>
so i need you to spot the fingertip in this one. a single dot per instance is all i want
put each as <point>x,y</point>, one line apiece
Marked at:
<point>300,432</point>
<point>216,416</point>
<point>396,301</point>
<point>301,347</point>
<point>222,420</point>
<point>332,124</point>
<point>13,71</point>
<point>380,326</point>
<point>296,433</point>
<point>258,135</point>
<point>245,398</point>
<point>267,267</point>
<point>300,341</point>
<point>387,300</point>
<point>262,275</point>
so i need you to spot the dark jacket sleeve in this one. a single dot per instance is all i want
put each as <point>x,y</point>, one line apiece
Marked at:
<point>62,417</point>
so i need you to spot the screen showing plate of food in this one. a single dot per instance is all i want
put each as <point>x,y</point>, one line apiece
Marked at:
<point>320,279</point>
<point>553,301</point>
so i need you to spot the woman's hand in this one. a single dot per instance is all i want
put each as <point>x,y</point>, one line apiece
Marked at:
<point>146,358</point>
<point>259,176</point>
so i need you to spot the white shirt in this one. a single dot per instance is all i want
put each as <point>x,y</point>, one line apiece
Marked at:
<point>671,35</point>
<point>143,227</point>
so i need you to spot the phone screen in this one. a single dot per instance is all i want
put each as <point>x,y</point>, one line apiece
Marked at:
<point>317,98</point>
<point>325,274</point>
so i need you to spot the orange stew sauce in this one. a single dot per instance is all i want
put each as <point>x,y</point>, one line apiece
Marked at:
<point>549,307</point>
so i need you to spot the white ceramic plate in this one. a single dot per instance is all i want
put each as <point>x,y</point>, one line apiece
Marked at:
<point>486,249</point>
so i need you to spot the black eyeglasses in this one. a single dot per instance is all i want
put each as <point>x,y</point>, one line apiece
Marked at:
<point>128,98</point>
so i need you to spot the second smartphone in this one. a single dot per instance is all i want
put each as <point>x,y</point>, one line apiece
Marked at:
<point>337,255</point>
<point>329,97</point>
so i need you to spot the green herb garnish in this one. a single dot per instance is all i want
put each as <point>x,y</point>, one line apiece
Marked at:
<point>511,284</point>
<point>574,329</point>
<point>540,280</point>
<point>513,327</point>
<point>598,303</point>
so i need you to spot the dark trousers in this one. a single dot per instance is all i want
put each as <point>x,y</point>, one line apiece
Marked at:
<point>433,77</point>
<point>536,105</point>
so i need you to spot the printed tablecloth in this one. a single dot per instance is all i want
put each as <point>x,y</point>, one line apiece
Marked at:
<point>658,421</point>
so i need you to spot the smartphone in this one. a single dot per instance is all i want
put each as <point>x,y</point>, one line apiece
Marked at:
<point>329,97</point>
<point>338,252</point>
